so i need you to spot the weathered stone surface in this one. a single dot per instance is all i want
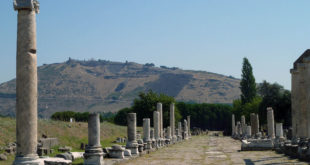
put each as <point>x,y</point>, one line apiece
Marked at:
<point>48,142</point>
<point>3,157</point>
<point>279,130</point>
<point>93,152</point>
<point>254,124</point>
<point>233,125</point>
<point>172,124</point>
<point>66,156</point>
<point>131,133</point>
<point>257,145</point>
<point>189,125</point>
<point>65,149</point>
<point>127,152</point>
<point>209,150</point>
<point>26,88</point>
<point>117,152</point>
<point>270,123</point>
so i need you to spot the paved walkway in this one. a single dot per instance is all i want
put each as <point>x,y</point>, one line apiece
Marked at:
<point>210,150</point>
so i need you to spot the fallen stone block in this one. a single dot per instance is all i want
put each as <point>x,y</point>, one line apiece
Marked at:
<point>116,152</point>
<point>66,156</point>
<point>56,161</point>
<point>3,157</point>
<point>257,145</point>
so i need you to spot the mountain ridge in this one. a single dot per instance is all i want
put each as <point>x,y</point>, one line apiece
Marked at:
<point>101,85</point>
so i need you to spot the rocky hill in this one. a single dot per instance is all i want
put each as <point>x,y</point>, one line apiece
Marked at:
<point>109,86</point>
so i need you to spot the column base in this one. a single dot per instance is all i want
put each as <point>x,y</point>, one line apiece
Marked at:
<point>28,161</point>
<point>93,159</point>
<point>133,147</point>
<point>93,155</point>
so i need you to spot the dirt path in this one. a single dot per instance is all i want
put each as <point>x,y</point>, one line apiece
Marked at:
<point>210,150</point>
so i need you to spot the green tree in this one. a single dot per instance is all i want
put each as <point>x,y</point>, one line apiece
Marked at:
<point>121,116</point>
<point>146,104</point>
<point>247,84</point>
<point>275,96</point>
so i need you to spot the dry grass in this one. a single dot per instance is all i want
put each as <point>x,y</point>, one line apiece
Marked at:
<point>68,134</point>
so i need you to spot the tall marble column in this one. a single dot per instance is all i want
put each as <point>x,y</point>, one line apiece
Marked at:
<point>146,133</point>
<point>279,130</point>
<point>93,152</point>
<point>156,127</point>
<point>248,131</point>
<point>179,131</point>
<point>233,125</point>
<point>243,125</point>
<point>254,124</point>
<point>26,82</point>
<point>131,133</point>
<point>185,131</point>
<point>270,123</point>
<point>160,110</point>
<point>172,123</point>
<point>189,125</point>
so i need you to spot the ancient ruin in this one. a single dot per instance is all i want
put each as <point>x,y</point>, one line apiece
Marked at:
<point>93,152</point>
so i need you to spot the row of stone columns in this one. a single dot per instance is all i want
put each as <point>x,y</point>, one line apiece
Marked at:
<point>241,130</point>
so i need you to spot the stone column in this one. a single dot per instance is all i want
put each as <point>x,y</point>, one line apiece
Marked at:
<point>295,104</point>
<point>239,132</point>
<point>179,131</point>
<point>302,130</point>
<point>254,124</point>
<point>156,127</point>
<point>185,131</point>
<point>160,110</point>
<point>131,133</point>
<point>248,131</point>
<point>257,123</point>
<point>243,125</point>
<point>26,82</point>
<point>172,123</point>
<point>279,130</point>
<point>189,125</point>
<point>146,133</point>
<point>233,125</point>
<point>270,123</point>
<point>168,133</point>
<point>93,152</point>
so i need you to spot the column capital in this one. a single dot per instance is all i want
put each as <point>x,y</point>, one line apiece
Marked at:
<point>32,5</point>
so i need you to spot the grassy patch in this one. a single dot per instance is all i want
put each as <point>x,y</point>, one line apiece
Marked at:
<point>68,134</point>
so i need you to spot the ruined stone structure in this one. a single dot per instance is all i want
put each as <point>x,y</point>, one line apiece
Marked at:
<point>189,125</point>
<point>254,124</point>
<point>300,83</point>
<point>270,123</point>
<point>185,130</point>
<point>172,123</point>
<point>132,143</point>
<point>233,125</point>
<point>248,131</point>
<point>179,131</point>
<point>243,125</point>
<point>156,127</point>
<point>146,133</point>
<point>26,82</point>
<point>279,130</point>
<point>93,152</point>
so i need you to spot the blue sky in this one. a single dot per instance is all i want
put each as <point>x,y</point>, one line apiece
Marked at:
<point>209,35</point>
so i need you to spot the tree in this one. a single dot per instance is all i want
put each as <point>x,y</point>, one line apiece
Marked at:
<point>145,105</point>
<point>275,96</point>
<point>247,84</point>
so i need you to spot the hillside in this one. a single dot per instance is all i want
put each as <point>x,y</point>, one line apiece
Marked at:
<point>109,86</point>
